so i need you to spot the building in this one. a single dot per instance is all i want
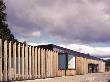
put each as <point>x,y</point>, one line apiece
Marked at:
<point>107,65</point>
<point>72,62</point>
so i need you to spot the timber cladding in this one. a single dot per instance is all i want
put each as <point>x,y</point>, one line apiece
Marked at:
<point>82,64</point>
<point>20,61</point>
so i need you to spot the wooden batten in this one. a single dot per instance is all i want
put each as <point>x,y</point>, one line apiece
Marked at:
<point>42,63</point>
<point>47,72</point>
<point>26,62</point>
<point>51,67</point>
<point>56,63</point>
<point>22,62</point>
<point>5,60</point>
<point>9,62</point>
<point>36,62</point>
<point>14,60</point>
<point>19,61</point>
<point>33,56</point>
<point>48,63</point>
<point>39,63</point>
<point>1,60</point>
<point>30,62</point>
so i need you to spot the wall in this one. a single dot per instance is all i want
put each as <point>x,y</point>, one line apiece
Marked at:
<point>82,65</point>
<point>20,62</point>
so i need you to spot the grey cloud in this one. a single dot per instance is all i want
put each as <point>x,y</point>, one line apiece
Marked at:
<point>75,21</point>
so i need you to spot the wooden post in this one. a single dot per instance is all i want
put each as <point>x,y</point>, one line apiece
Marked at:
<point>56,63</point>
<point>49,63</point>
<point>51,59</point>
<point>29,62</point>
<point>44,64</point>
<point>39,64</point>
<point>33,62</point>
<point>0,60</point>
<point>47,73</point>
<point>26,62</point>
<point>36,62</point>
<point>5,60</point>
<point>53,64</point>
<point>14,58</point>
<point>19,61</point>
<point>22,62</point>
<point>9,65</point>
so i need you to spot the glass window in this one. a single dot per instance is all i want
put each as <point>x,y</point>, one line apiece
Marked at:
<point>71,62</point>
<point>66,61</point>
<point>62,61</point>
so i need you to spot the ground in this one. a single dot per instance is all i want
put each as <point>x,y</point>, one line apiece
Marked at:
<point>94,77</point>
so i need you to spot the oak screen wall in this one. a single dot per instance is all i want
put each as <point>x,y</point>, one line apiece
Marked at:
<point>19,62</point>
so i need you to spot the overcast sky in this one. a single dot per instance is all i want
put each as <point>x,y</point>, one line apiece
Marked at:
<point>82,25</point>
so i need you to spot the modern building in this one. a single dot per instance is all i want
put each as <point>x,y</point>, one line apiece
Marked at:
<point>71,62</point>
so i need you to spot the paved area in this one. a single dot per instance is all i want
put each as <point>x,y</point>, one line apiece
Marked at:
<point>95,77</point>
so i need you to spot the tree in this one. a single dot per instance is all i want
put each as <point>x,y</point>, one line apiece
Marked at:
<point>5,32</point>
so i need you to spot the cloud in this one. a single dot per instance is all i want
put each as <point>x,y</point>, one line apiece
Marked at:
<point>72,21</point>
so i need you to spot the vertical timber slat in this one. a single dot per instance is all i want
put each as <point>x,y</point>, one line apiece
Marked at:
<point>51,59</point>
<point>42,63</point>
<point>47,73</point>
<point>56,55</point>
<point>5,60</point>
<point>33,62</point>
<point>14,58</point>
<point>9,65</point>
<point>39,65</point>
<point>44,66</point>
<point>19,61</point>
<point>29,62</point>
<point>49,63</point>
<point>0,60</point>
<point>26,62</point>
<point>36,62</point>
<point>23,62</point>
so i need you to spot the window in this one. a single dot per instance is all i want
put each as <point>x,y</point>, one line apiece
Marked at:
<point>62,61</point>
<point>71,62</point>
<point>66,61</point>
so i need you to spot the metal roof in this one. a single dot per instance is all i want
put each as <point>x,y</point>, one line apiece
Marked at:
<point>76,53</point>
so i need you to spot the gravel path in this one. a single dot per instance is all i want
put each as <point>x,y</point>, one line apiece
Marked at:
<point>95,77</point>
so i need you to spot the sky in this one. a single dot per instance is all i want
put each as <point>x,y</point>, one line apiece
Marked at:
<point>81,25</point>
